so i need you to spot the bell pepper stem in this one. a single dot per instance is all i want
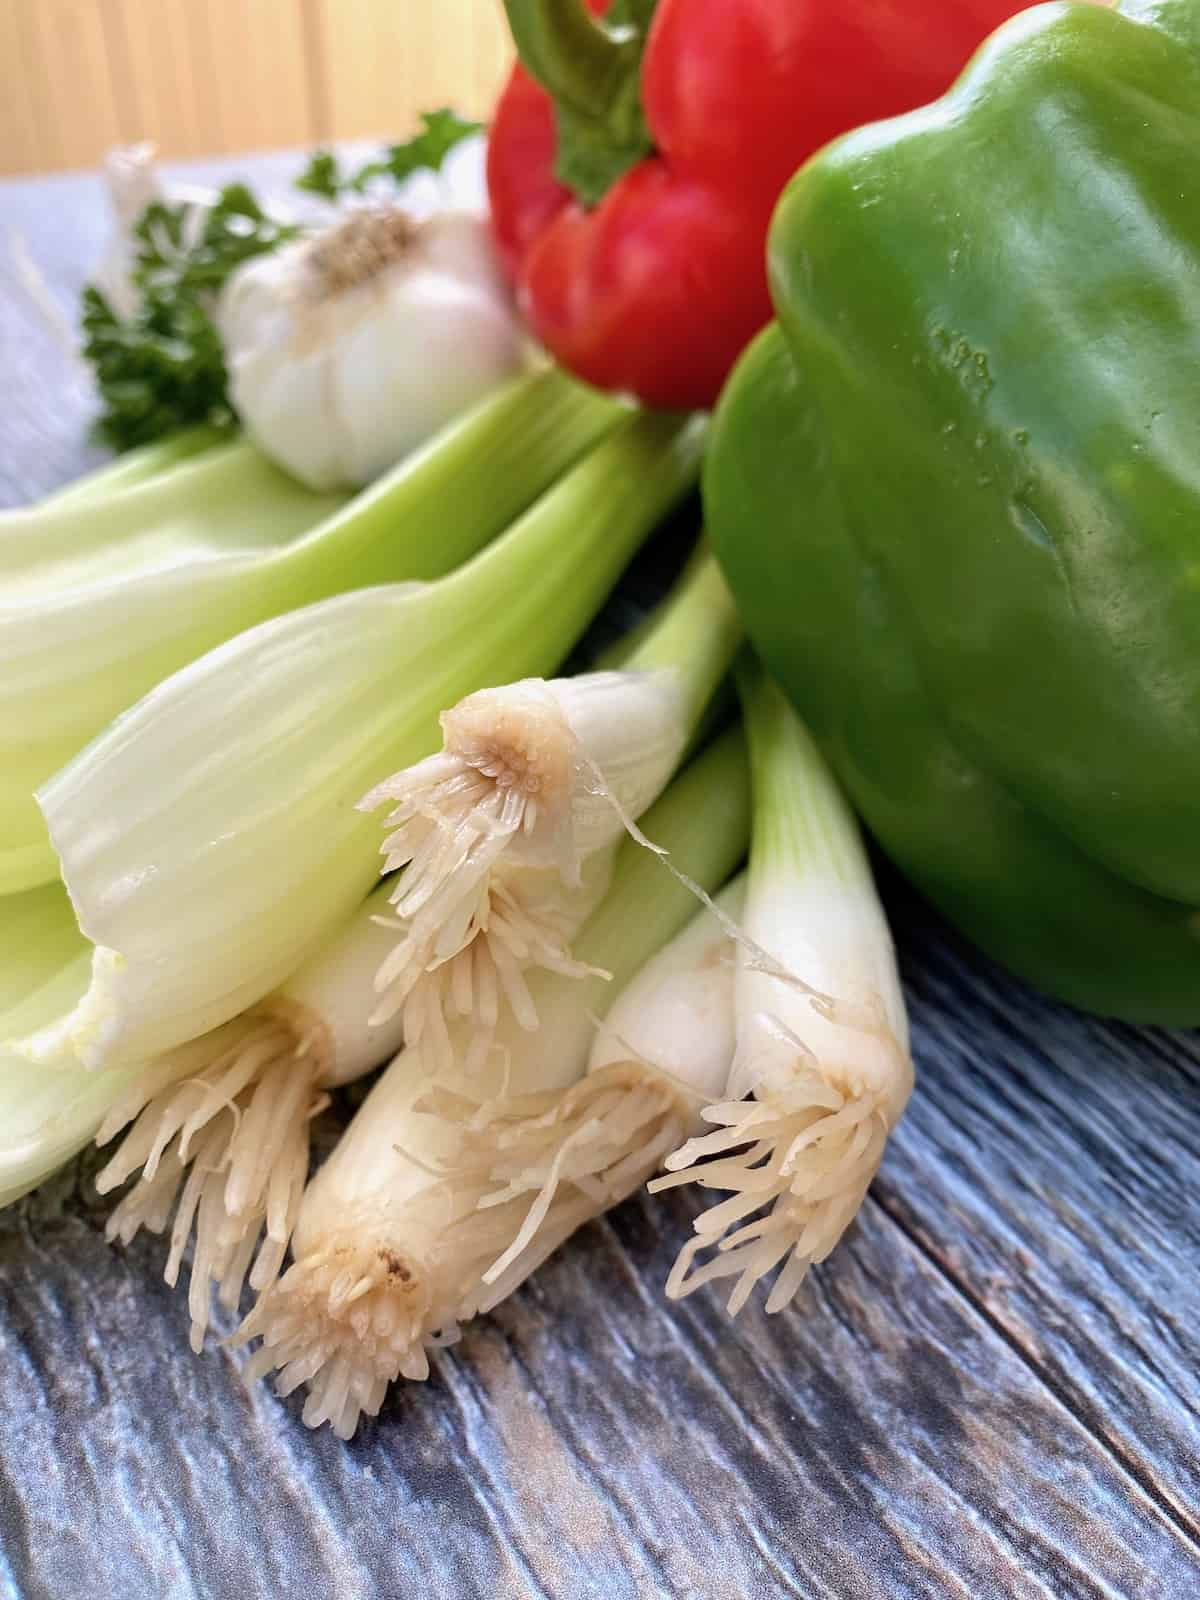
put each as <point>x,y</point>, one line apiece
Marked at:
<point>592,71</point>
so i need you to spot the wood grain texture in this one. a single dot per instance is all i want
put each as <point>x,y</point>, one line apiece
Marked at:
<point>63,56</point>
<point>18,121</point>
<point>202,77</point>
<point>382,64</point>
<point>588,1440</point>
<point>1056,1180</point>
<point>260,78</point>
<point>989,1393</point>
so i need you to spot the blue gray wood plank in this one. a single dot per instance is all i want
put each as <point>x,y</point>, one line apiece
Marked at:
<point>1051,1166</point>
<point>990,1391</point>
<point>880,1439</point>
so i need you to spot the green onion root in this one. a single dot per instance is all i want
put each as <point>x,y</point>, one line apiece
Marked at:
<point>221,1154</point>
<point>583,1151</point>
<point>797,1163</point>
<point>360,1311</point>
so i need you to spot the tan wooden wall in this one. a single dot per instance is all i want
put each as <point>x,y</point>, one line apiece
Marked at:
<point>206,77</point>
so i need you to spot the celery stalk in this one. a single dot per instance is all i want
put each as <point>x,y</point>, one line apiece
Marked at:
<point>210,840</point>
<point>45,1117</point>
<point>103,598</point>
<point>139,465</point>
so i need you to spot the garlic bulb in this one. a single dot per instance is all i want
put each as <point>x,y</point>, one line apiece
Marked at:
<point>348,349</point>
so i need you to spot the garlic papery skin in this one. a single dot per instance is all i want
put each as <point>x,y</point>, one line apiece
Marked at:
<point>350,348</point>
<point>134,182</point>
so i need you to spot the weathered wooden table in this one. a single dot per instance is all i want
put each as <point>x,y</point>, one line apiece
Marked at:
<point>991,1389</point>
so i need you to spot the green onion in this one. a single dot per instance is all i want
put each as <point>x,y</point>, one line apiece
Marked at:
<point>101,598</point>
<point>663,1053</point>
<point>223,1149</point>
<point>535,774</point>
<point>390,1247</point>
<point>822,1034</point>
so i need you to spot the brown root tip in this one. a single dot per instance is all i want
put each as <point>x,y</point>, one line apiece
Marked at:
<point>521,742</point>
<point>368,242</point>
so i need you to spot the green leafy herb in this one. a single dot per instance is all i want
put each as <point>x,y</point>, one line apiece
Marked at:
<point>427,150</point>
<point>323,175</point>
<point>163,367</point>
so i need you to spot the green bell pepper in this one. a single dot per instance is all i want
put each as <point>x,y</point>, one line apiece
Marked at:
<point>956,490</point>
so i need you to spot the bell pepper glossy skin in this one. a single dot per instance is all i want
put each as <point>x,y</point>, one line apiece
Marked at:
<point>657,288</point>
<point>956,490</point>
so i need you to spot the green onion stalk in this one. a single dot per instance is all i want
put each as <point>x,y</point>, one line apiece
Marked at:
<point>536,775</point>
<point>516,825</point>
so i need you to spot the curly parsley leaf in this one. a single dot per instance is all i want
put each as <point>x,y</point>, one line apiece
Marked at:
<point>426,151</point>
<point>323,176</point>
<point>163,367</point>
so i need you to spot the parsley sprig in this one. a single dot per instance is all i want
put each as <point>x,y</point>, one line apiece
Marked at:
<point>163,367</point>
<point>440,131</point>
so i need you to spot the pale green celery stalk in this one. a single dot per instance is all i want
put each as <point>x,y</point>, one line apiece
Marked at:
<point>48,1117</point>
<point>822,1034</point>
<point>99,601</point>
<point>38,937</point>
<point>391,1245</point>
<point>45,1117</point>
<point>209,839</point>
<point>138,465</point>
